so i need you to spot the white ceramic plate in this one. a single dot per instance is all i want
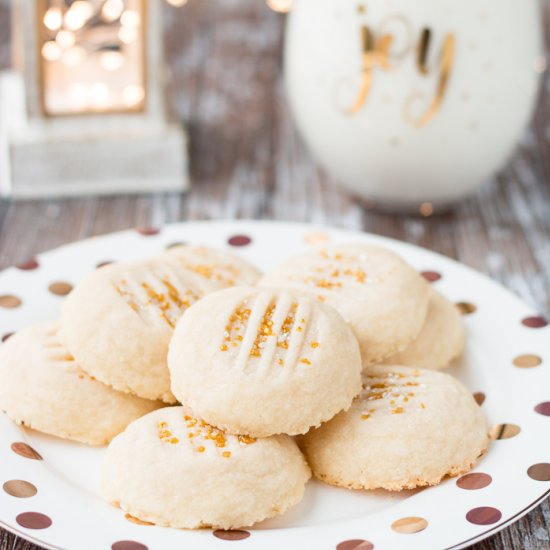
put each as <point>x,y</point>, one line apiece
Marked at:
<point>54,501</point>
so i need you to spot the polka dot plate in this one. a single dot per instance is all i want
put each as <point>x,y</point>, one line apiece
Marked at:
<point>50,487</point>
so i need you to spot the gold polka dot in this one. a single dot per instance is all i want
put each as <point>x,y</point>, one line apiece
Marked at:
<point>60,288</point>
<point>504,431</point>
<point>137,521</point>
<point>19,488</point>
<point>24,450</point>
<point>409,525</point>
<point>466,308</point>
<point>527,361</point>
<point>9,301</point>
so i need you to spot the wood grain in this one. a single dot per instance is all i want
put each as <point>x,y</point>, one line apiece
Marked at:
<point>247,161</point>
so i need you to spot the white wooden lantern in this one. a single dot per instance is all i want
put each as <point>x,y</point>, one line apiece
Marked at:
<point>84,110</point>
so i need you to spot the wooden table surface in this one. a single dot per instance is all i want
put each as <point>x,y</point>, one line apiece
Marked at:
<point>247,161</point>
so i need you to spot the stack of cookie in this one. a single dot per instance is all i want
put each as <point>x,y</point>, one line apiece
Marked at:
<point>338,347</point>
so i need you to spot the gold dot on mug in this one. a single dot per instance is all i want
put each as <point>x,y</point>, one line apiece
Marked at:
<point>60,288</point>
<point>409,525</point>
<point>504,431</point>
<point>527,361</point>
<point>466,308</point>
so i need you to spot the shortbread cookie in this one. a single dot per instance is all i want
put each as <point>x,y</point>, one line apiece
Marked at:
<point>408,428</point>
<point>42,387</point>
<point>118,322</point>
<point>220,267</point>
<point>441,340</point>
<point>261,361</point>
<point>172,469</point>
<point>383,299</point>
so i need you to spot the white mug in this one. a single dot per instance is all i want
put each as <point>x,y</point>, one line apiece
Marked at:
<point>413,103</point>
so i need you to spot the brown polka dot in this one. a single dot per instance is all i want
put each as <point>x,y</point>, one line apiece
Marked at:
<point>479,397</point>
<point>543,408</point>
<point>527,361</point>
<point>239,240</point>
<point>128,545</point>
<point>7,336</point>
<point>539,472</point>
<point>431,276</point>
<point>466,308</point>
<point>534,322</point>
<point>28,265</point>
<point>24,450</point>
<point>148,231</point>
<point>60,288</point>
<point>175,245</point>
<point>104,263</point>
<point>485,515</point>
<point>9,301</point>
<point>33,520</point>
<point>19,488</point>
<point>355,544</point>
<point>137,521</point>
<point>504,431</point>
<point>232,534</point>
<point>409,525</point>
<point>474,481</point>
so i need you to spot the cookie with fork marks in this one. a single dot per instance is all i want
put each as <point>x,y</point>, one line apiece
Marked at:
<point>262,361</point>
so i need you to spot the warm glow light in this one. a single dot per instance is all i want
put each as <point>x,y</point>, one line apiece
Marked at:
<point>51,51</point>
<point>112,10</point>
<point>132,95</point>
<point>79,12</point>
<point>127,35</point>
<point>130,18</point>
<point>177,3</point>
<point>65,39</point>
<point>99,93</point>
<point>281,6</point>
<point>78,93</point>
<point>74,56</point>
<point>53,19</point>
<point>111,61</point>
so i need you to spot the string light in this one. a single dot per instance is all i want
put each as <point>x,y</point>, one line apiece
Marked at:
<point>74,56</point>
<point>132,95</point>
<point>99,93</point>
<point>65,39</point>
<point>112,10</point>
<point>53,19</point>
<point>127,35</point>
<point>79,12</point>
<point>130,18</point>
<point>177,3</point>
<point>111,61</point>
<point>51,51</point>
<point>95,38</point>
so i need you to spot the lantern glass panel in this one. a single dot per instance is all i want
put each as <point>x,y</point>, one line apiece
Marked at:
<point>92,56</point>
